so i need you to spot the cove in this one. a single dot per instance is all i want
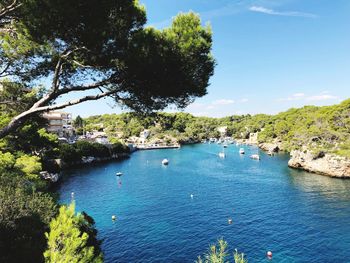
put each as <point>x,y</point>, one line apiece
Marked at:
<point>300,217</point>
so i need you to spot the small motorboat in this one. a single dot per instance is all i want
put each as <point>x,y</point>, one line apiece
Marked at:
<point>225,145</point>
<point>165,162</point>
<point>241,151</point>
<point>255,156</point>
<point>222,155</point>
<point>119,174</point>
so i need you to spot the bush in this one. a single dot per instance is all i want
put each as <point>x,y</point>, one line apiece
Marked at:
<point>219,254</point>
<point>24,218</point>
<point>69,153</point>
<point>29,165</point>
<point>67,240</point>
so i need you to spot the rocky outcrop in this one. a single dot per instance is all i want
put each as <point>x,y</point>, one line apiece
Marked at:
<point>321,163</point>
<point>89,160</point>
<point>271,147</point>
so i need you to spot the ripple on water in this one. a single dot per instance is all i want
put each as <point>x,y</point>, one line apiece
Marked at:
<point>296,215</point>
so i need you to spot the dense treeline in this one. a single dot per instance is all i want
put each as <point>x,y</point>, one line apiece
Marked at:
<point>321,129</point>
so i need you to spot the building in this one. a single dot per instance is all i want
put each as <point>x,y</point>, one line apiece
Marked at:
<point>144,135</point>
<point>59,123</point>
<point>222,130</point>
<point>99,137</point>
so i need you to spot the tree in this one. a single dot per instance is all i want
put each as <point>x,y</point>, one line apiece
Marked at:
<point>107,52</point>
<point>219,254</point>
<point>66,240</point>
<point>24,217</point>
<point>78,122</point>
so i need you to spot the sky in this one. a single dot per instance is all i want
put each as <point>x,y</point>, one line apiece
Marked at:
<point>271,54</point>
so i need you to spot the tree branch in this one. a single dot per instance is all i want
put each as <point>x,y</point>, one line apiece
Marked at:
<point>8,9</point>
<point>17,121</point>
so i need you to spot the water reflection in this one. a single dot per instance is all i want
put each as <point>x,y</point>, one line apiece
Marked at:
<point>332,188</point>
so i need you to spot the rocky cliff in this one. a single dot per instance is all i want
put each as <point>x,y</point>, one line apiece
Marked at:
<point>326,164</point>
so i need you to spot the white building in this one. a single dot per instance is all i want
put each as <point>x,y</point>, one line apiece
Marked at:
<point>59,123</point>
<point>144,135</point>
<point>222,130</point>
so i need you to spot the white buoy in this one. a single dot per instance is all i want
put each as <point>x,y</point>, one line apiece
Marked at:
<point>191,196</point>
<point>269,254</point>
<point>114,217</point>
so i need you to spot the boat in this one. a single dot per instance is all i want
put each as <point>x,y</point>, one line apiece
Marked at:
<point>119,174</point>
<point>165,162</point>
<point>255,156</point>
<point>222,155</point>
<point>241,151</point>
<point>225,145</point>
<point>271,153</point>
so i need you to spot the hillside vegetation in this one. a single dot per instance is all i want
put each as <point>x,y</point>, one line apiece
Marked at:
<point>322,129</point>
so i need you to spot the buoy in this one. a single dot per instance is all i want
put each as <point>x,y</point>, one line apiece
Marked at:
<point>269,254</point>
<point>229,221</point>
<point>114,217</point>
<point>191,196</point>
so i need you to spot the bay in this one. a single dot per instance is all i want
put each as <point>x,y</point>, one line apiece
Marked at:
<point>300,217</point>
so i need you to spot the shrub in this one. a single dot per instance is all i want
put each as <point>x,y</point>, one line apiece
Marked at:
<point>67,241</point>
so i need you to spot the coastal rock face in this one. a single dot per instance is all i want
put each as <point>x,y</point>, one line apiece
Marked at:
<point>326,164</point>
<point>270,147</point>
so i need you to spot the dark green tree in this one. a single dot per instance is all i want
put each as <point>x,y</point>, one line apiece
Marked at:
<point>107,52</point>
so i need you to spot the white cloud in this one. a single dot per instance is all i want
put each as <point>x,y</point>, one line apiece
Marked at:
<point>244,100</point>
<point>298,95</point>
<point>322,97</point>
<point>223,102</point>
<point>301,96</point>
<point>267,11</point>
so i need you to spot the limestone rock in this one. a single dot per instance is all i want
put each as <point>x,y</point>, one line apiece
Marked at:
<point>324,163</point>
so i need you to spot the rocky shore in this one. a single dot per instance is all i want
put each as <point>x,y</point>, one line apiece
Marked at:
<point>325,164</point>
<point>322,163</point>
<point>54,177</point>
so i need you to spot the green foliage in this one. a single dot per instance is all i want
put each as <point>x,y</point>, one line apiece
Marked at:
<point>24,218</point>
<point>78,122</point>
<point>69,153</point>
<point>29,165</point>
<point>218,254</point>
<point>7,161</point>
<point>239,257</point>
<point>319,128</point>
<point>66,240</point>
<point>111,46</point>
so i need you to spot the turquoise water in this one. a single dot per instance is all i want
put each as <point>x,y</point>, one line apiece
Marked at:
<point>300,217</point>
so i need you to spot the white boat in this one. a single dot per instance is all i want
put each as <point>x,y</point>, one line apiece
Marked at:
<point>165,162</point>
<point>119,174</point>
<point>222,155</point>
<point>241,151</point>
<point>255,156</point>
<point>225,145</point>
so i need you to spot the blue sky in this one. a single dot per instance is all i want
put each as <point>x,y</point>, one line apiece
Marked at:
<point>272,54</point>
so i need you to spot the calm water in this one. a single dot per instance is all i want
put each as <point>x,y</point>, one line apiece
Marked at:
<point>300,217</point>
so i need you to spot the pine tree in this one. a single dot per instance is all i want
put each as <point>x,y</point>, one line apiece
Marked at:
<point>67,242</point>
